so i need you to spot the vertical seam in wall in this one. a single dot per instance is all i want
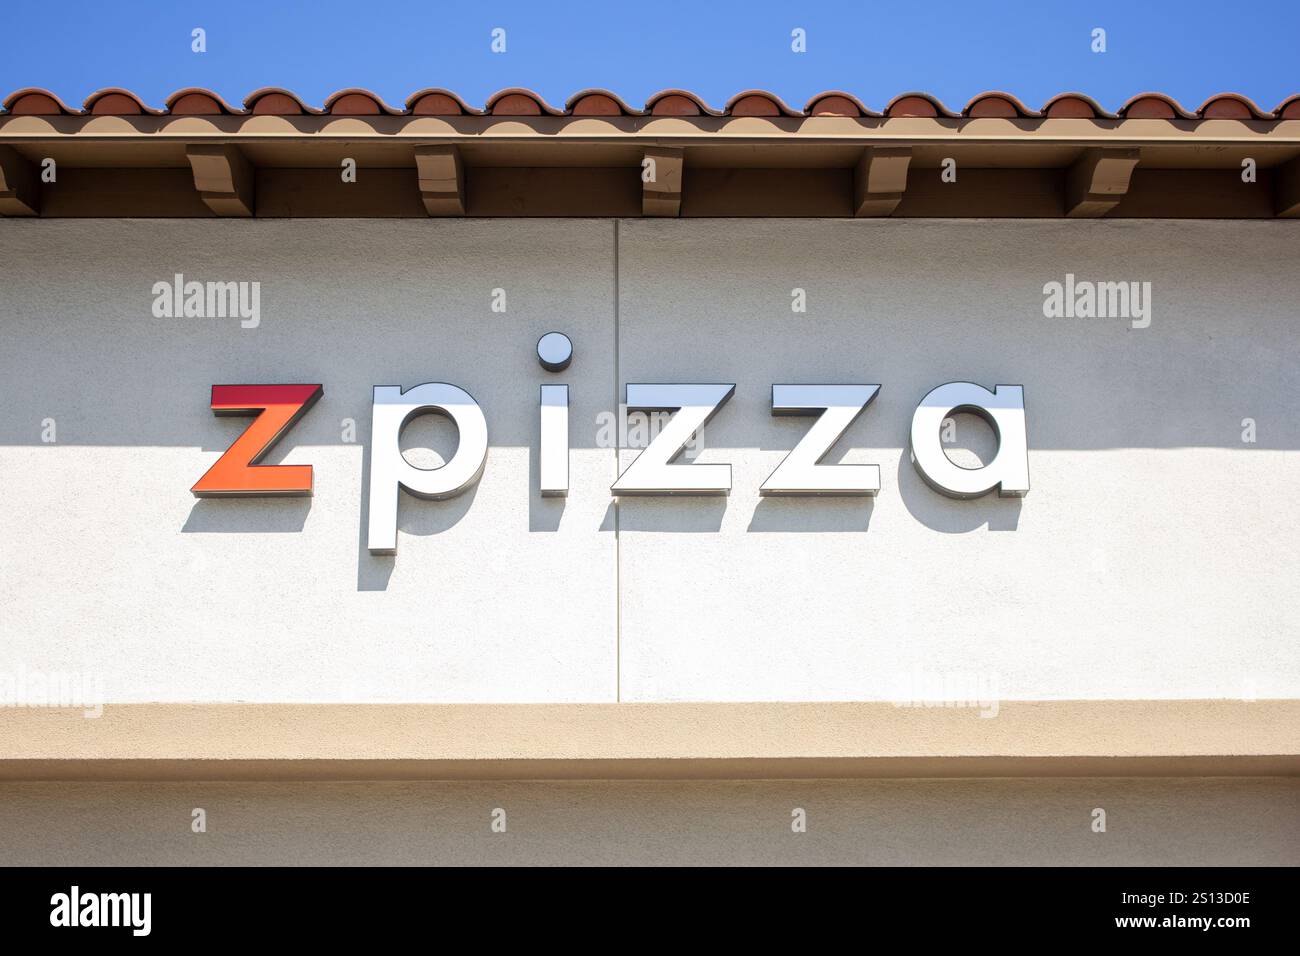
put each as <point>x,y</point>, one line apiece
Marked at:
<point>618,578</point>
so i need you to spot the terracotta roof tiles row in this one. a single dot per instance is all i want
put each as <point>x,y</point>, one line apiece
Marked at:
<point>597,102</point>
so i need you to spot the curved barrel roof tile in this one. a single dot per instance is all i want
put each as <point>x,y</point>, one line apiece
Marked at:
<point>1074,106</point>
<point>1154,106</point>
<point>837,103</point>
<point>194,101</point>
<point>599,102</point>
<point>115,101</point>
<point>358,102</point>
<point>276,101</point>
<point>1231,106</point>
<point>32,101</point>
<point>517,101</point>
<point>1289,108</point>
<point>436,101</point>
<point>918,104</point>
<point>997,103</point>
<point>678,103</point>
<point>758,103</point>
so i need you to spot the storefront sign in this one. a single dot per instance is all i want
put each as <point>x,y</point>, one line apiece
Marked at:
<point>655,471</point>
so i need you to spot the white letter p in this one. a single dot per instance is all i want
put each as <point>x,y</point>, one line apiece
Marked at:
<point>389,468</point>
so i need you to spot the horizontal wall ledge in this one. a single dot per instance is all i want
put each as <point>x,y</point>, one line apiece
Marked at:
<point>650,741</point>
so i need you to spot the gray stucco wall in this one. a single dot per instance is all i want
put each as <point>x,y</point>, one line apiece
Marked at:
<point>1170,822</point>
<point>1154,556</point>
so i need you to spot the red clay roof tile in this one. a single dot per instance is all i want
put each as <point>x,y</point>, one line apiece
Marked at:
<point>678,103</point>
<point>275,101</point>
<point>601,102</point>
<point>434,101</point>
<point>517,101</point>
<point>597,102</point>
<point>194,101</point>
<point>1074,106</point>
<point>1153,106</point>
<point>836,103</point>
<point>917,104</point>
<point>996,103</point>
<point>358,102</point>
<point>32,101</point>
<point>1230,106</point>
<point>757,103</point>
<point>115,101</point>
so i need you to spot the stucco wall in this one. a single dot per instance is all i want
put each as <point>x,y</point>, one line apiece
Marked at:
<point>1171,822</point>
<point>1153,558</point>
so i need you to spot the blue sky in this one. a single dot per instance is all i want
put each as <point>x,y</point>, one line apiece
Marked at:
<point>873,49</point>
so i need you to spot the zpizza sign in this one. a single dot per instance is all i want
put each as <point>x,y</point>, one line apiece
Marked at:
<point>655,471</point>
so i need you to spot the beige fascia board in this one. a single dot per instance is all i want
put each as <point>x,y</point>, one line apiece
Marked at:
<point>667,131</point>
<point>639,741</point>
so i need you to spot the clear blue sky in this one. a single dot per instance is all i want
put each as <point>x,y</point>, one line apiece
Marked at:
<point>1032,48</point>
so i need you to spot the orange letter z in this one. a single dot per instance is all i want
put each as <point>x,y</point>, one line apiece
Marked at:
<point>236,473</point>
